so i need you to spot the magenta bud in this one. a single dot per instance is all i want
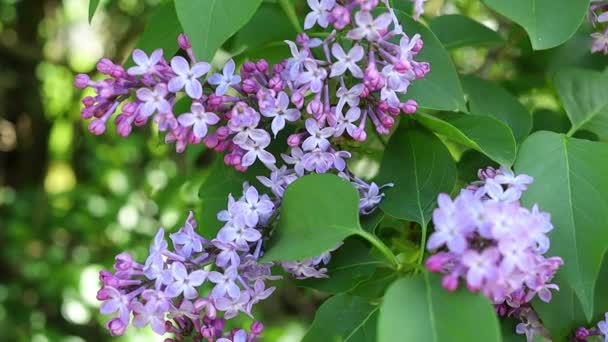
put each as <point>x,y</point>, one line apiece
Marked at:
<point>102,294</point>
<point>294,140</point>
<point>275,83</point>
<point>240,168</point>
<point>582,333</point>
<point>124,128</point>
<point>297,99</point>
<point>383,105</point>
<point>278,68</point>
<point>403,66</point>
<point>130,108</point>
<point>418,46</point>
<point>387,121</point>
<point>436,262</point>
<point>340,17</point>
<point>302,39</point>
<point>262,65</point>
<point>116,326</point>
<point>88,101</point>
<point>97,126</point>
<point>257,328</point>
<point>183,42</point>
<point>359,134</point>
<point>249,67</point>
<point>215,100</point>
<point>250,86</point>
<point>124,262</point>
<point>81,81</point>
<point>409,107</point>
<point>450,282</point>
<point>315,107</point>
<point>105,66</point>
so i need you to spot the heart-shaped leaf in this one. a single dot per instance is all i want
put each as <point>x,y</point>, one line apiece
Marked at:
<point>318,212</point>
<point>486,98</point>
<point>571,184</point>
<point>344,318</point>
<point>209,23</point>
<point>482,133</point>
<point>417,308</point>
<point>583,95</point>
<point>440,89</point>
<point>548,22</point>
<point>456,31</point>
<point>421,168</point>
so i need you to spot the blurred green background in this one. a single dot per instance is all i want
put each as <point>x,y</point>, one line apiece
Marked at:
<point>70,201</point>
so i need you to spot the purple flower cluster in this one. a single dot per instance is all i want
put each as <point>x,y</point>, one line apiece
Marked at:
<point>601,330</point>
<point>598,16</point>
<point>488,239</point>
<point>164,292</point>
<point>240,114</point>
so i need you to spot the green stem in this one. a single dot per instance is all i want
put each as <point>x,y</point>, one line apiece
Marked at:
<point>422,244</point>
<point>290,11</point>
<point>381,247</point>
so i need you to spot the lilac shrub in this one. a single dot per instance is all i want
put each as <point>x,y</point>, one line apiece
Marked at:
<point>487,239</point>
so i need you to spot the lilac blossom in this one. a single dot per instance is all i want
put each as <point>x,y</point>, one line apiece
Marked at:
<point>368,27</point>
<point>184,282</point>
<point>319,14</point>
<point>199,119</point>
<point>347,61</point>
<point>485,236</point>
<point>226,79</point>
<point>187,77</point>
<point>144,63</point>
<point>153,100</point>
<point>281,113</point>
<point>318,136</point>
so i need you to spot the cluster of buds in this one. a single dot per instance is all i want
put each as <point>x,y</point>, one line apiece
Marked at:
<point>241,113</point>
<point>497,246</point>
<point>598,16</point>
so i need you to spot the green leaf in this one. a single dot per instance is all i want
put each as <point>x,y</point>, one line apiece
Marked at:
<point>318,212</point>
<point>93,5</point>
<point>417,308</point>
<point>548,22</point>
<point>571,185</point>
<point>549,120</point>
<point>583,95</point>
<point>348,267</point>
<point>209,23</point>
<point>344,318</point>
<point>470,162</point>
<point>376,286</point>
<point>486,98</point>
<point>161,32</point>
<point>440,89</point>
<point>564,313</point>
<point>482,133</point>
<point>456,31</point>
<point>421,168</point>
<point>269,24</point>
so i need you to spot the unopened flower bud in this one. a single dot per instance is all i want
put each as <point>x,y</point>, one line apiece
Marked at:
<point>183,42</point>
<point>116,327</point>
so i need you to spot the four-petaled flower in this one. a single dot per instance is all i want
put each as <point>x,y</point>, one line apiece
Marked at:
<point>183,282</point>
<point>153,100</point>
<point>347,61</point>
<point>199,119</point>
<point>281,113</point>
<point>319,14</point>
<point>187,77</point>
<point>318,136</point>
<point>226,79</point>
<point>144,63</point>
<point>368,27</point>
<point>256,150</point>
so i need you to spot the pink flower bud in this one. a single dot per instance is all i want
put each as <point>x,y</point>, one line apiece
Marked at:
<point>359,134</point>
<point>249,67</point>
<point>262,65</point>
<point>409,107</point>
<point>297,99</point>
<point>403,66</point>
<point>215,100</point>
<point>116,327</point>
<point>97,126</point>
<point>450,282</point>
<point>387,121</point>
<point>340,17</point>
<point>257,327</point>
<point>183,42</point>
<point>105,66</point>
<point>315,107</point>
<point>88,101</point>
<point>250,86</point>
<point>124,262</point>
<point>278,68</point>
<point>294,140</point>
<point>81,81</point>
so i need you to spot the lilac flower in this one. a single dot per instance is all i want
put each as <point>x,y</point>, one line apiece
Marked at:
<point>304,269</point>
<point>258,293</point>
<point>184,282</point>
<point>149,314</point>
<point>239,336</point>
<point>370,197</point>
<point>318,136</point>
<point>153,100</point>
<point>347,61</point>
<point>279,179</point>
<point>256,150</point>
<point>295,159</point>
<point>238,234</point>
<point>506,177</point>
<point>347,122</point>
<point>226,79</point>
<point>350,96</point>
<point>228,254</point>
<point>256,207</point>
<point>144,63</point>
<point>116,302</point>
<point>313,76</point>
<point>318,161</point>
<point>225,283</point>
<point>368,27</point>
<point>602,326</point>
<point>187,77</point>
<point>154,269</point>
<point>281,113</point>
<point>296,62</point>
<point>233,213</point>
<point>319,14</point>
<point>448,229</point>
<point>600,42</point>
<point>418,8</point>
<point>232,307</point>
<point>198,118</point>
<point>481,266</point>
<point>159,246</point>
<point>187,240</point>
